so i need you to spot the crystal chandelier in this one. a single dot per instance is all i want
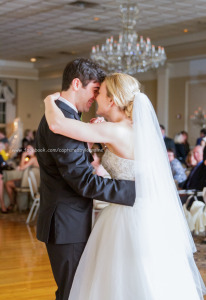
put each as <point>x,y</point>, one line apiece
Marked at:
<point>129,54</point>
<point>199,117</point>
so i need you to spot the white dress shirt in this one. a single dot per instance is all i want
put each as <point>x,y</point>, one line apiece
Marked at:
<point>68,103</point>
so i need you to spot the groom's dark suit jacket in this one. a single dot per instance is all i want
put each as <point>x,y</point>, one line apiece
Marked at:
<point>68,185</point>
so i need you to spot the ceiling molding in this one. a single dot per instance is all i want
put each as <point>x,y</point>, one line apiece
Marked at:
<point>182,39</point>
<point>18,70</point>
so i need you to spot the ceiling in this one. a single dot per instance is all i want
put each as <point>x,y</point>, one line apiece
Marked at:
<point>55,31</point>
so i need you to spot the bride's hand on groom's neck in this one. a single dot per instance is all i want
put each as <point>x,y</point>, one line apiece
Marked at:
<point>51,98</point>
<point>53,114</point>
<point>97,120</point>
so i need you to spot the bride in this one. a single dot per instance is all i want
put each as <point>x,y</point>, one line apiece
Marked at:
<point>143,252</point>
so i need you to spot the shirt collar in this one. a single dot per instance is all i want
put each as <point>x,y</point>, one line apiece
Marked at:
<point>68,103</point>
<point>199,163</point>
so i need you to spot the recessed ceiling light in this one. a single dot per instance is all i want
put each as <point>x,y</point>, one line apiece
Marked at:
<point>185,30</point>
<point>96,19</point>
<point>67,52</point>
<point>84,29</point>
<point>83,4</point>
<point>33,59</point>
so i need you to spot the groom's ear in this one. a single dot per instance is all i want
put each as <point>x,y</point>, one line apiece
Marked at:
<point>76,84</point>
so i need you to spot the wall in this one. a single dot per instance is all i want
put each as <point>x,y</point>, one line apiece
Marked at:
<point>10,105</point>
<point>30,107</point>
<point>32,88</point>
<point>186,94</point>
<point>195,100</point>
<point>176,105</point>
<point>149,87</point>
<point>24,80</point>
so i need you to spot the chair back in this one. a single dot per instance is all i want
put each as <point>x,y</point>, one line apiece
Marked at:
<point>31,187</point>
<point>33,181</point>
<point>204,194</point>
<point>36,172</point>
<point>24,179</point>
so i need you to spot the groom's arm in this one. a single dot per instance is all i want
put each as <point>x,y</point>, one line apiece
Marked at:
<point>73,163</point>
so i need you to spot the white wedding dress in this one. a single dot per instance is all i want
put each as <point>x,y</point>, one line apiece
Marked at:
<point>113,267</point>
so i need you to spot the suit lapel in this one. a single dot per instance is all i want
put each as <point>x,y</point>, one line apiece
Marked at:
<point>63,106</point>
<point>76,115</point>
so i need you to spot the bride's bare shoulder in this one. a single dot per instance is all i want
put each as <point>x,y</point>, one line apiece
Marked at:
<point>123,141</point>
<point>119,132</point>
<point>123,128</point>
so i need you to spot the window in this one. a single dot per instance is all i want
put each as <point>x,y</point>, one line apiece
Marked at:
<point>2,111</point>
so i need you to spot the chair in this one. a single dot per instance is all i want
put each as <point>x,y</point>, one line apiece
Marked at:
<point>195,212</point>
<point>23,191</point>
<point>33,186</point>
<point>204,194</point>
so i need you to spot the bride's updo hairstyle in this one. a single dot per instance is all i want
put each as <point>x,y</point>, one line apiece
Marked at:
<point>121,88</point>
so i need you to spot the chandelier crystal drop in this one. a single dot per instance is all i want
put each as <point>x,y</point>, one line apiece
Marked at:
<point>129,54</point>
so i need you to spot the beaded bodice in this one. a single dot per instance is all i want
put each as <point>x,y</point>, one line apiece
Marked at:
<point>117,167</point>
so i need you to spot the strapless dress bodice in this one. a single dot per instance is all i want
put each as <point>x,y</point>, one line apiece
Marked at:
<point>118,167</point>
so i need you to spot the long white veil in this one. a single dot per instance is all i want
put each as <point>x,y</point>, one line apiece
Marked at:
<point>165,245</point>
<point>143,252</point>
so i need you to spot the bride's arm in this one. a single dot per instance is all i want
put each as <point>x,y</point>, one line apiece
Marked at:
<point>86,132</point>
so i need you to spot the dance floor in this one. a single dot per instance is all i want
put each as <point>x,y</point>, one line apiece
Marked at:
<point>25,272</point>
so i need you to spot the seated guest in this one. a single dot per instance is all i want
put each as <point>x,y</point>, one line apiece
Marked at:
<point>195,175</point>
<point>202,135</point>
<point>169,143</point>
<point>3,206</point>
<point>190,160</point>
<point>197,213</point>
<point>3,138</point>
<point>28,159</point>
<point>4,153</point>
<point>178,171</point>
<point>185,141</point>
<point>34,135</point>
<point>180,149</point>
<point>202,183</point>
<point>28,138</point>
<point>2,162</point>
<point>4,146</point>
<point>203,142</point>
<point>203,179</point>
<point>195,178</point>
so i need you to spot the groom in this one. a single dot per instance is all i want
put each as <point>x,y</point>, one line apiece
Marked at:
<point>67,181</point>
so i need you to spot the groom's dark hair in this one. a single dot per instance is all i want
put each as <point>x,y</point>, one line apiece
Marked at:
<point>84,69</point>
